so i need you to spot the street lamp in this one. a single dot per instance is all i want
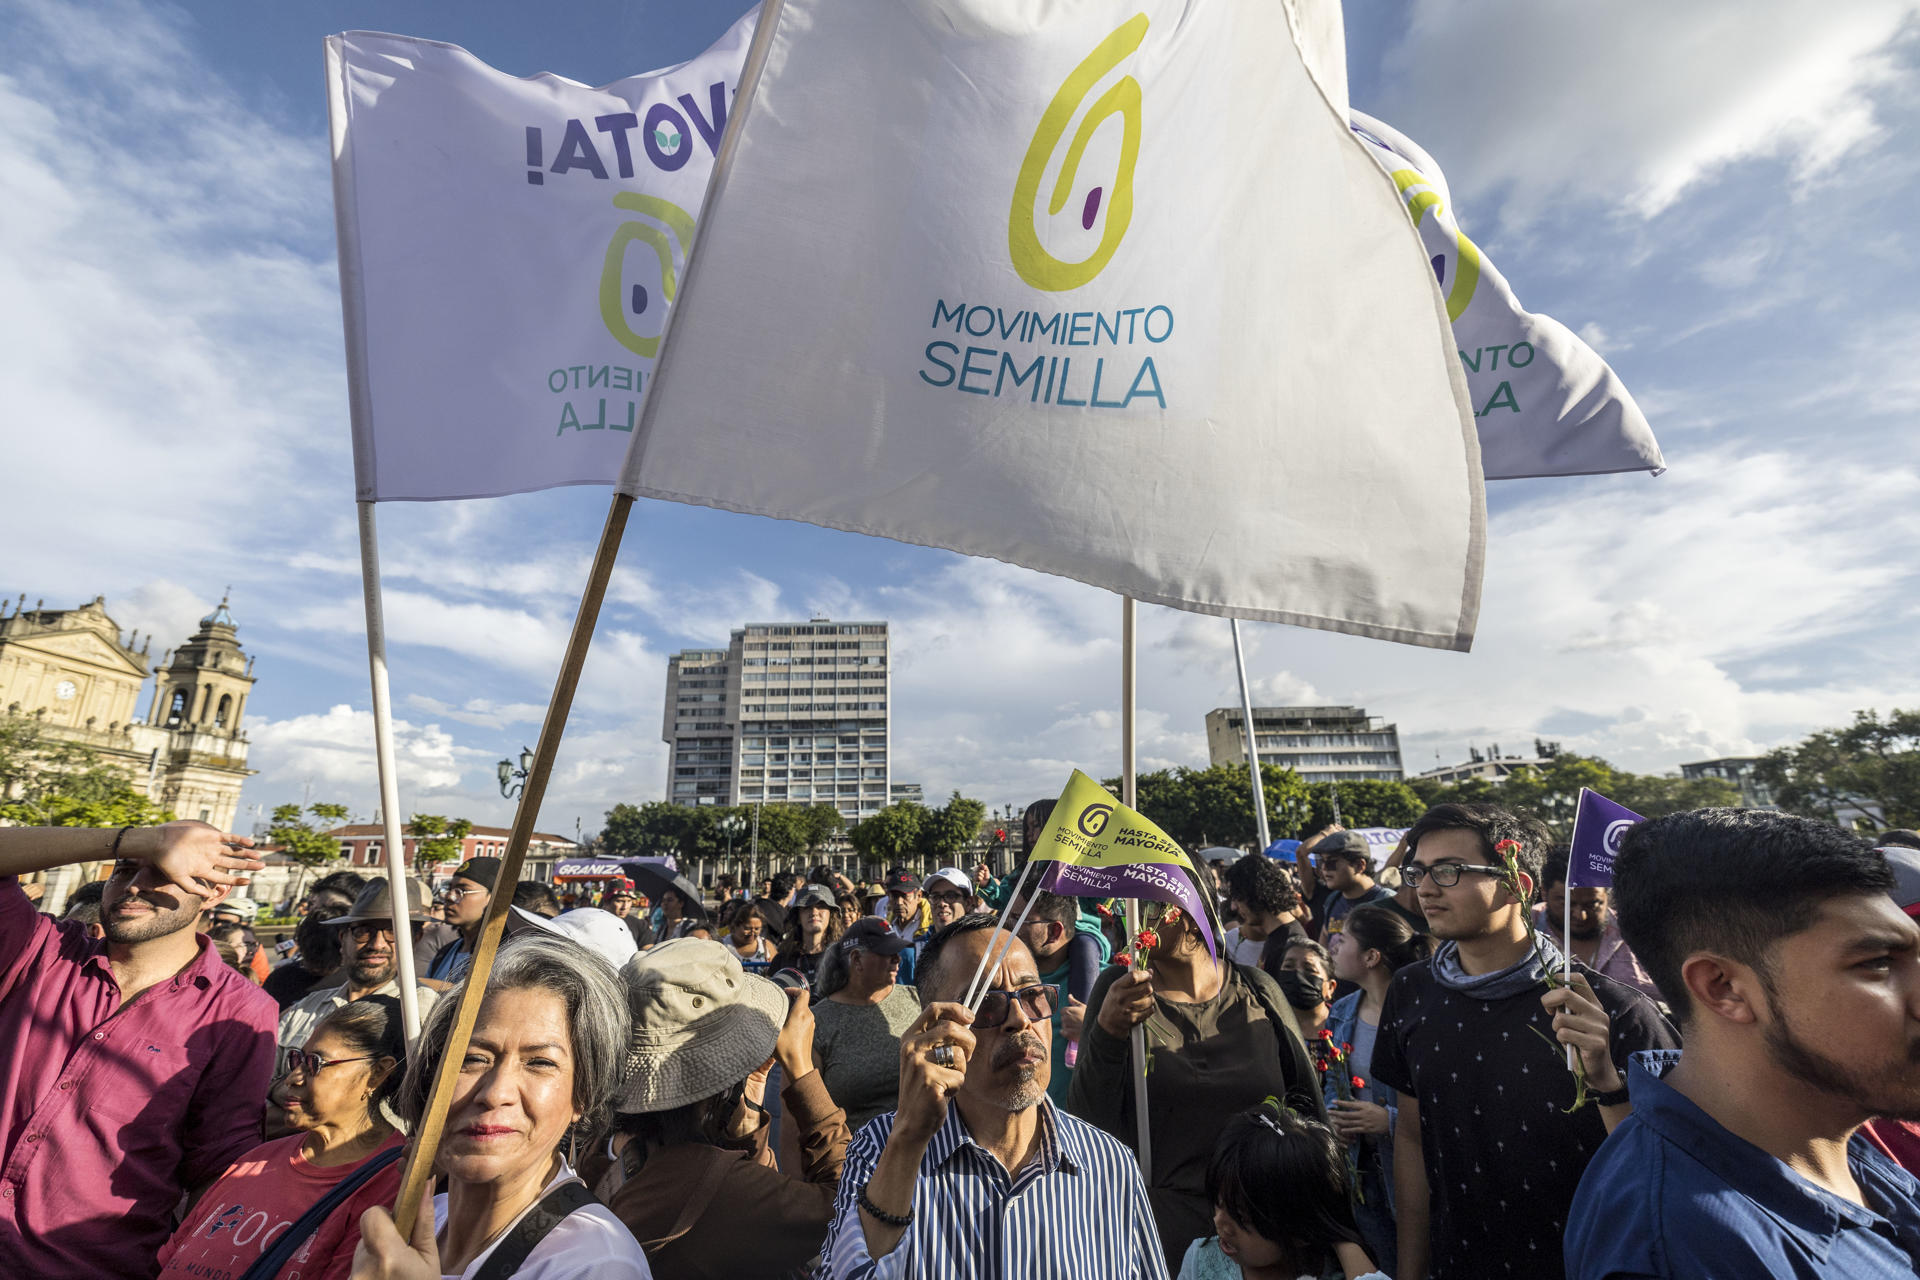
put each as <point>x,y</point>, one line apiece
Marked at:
<point>508,787</point>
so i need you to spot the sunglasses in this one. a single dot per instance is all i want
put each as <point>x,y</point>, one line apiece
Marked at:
<point>307,1064</point>
<point>996,1006</point>
<point>1445,874</point>
<point>368,930</point>
<point>948,899</point>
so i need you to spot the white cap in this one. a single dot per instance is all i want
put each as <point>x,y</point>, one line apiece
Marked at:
<point>953,876</point>
<point>601,932</point>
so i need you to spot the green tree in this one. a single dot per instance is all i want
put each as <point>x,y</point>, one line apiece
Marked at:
<point>1364,802</point>
<point>946,831</point>
<point>46,781</point>
<point>658,828</point>
<point>888,836</point>
<point>819,824</point>
<point>1871,761</point>
<point>437,839</point>
<point>299,838</point>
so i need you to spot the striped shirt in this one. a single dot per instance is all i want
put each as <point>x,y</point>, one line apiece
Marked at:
<point>1076,1212</point>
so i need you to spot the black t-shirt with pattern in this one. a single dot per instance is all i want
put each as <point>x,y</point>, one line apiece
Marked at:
<point>1503,1157</point>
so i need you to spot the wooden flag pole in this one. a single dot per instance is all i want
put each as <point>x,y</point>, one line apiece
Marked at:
<point>1253,750</point>
<point>389,782</point>
<point>1128,611</point>
<point>426,1141</point>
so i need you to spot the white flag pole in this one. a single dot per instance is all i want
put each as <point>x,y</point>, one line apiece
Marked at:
<point>980,969</point>
<point>1253,751</point>
<point>1566,916</point>
<point>361,416</point>
<point>389,782</point>
<point>1128,612</point>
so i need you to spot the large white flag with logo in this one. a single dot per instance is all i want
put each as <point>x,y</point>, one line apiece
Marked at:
<point>1107,289</point>
<point>1547,404</point>
<point>508,251</point>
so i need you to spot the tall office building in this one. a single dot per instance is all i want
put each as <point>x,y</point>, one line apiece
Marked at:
<point>791,713</point>
<point>1321,744</point>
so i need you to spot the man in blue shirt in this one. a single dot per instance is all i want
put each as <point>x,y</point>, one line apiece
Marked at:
<point>976,1173</point>
<point>1796,981</point>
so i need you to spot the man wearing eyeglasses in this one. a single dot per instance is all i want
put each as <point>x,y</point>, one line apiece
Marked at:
<point>1488,1146</point>
<point>372,960</point>
<point>976,1173</point>
<point>133,1068</point>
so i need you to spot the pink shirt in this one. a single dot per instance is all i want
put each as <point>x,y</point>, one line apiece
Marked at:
<point>107,1114</point>
<point>262,1195</point>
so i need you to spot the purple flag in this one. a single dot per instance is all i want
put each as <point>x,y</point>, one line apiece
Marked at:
<point>1598,826</point>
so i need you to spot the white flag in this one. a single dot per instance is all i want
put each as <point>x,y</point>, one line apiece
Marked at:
<point>1547,404</point>
<point>508,252</point>
<point>1014,280</point>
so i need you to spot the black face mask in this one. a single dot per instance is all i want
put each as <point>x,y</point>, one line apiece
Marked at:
<point>1303,990</point>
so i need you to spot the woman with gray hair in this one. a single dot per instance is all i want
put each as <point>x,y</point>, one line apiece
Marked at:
<point>537,1083</point>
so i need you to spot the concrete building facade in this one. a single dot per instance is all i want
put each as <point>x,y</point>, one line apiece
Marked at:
<point>1321,744</point>
<point>788,713</point>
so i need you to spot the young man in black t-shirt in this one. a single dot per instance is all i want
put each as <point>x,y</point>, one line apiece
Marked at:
<point>1487,1156</point>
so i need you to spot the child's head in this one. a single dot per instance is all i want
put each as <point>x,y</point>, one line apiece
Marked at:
<point>1280,1192</point>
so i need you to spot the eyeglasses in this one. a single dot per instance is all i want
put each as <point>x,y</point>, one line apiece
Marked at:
<point>451,894</point>
<point>1445,874</point>
<point>947,899</point>
<point>307,1064</point>
<point>997,1006</point>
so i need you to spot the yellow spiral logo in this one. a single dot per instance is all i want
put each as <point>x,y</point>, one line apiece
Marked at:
<point>615,302</point>
<point>1031,259</point>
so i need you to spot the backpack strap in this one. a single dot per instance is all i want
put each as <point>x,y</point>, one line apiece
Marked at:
<point>269,1263</point>
<point>535,1225</point>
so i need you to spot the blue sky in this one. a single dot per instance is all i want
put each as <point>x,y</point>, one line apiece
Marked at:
<point>1718,195</point>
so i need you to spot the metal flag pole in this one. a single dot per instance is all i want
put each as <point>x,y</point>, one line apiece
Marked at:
<point>426,1142</point>
<point>389,781</point>
<point>1128,626</point>
<point>1253,751</point>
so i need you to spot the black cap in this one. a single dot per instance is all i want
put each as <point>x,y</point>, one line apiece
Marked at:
<point>479,870</point>
<point>813,895</point>
<point>903,882</point>
<point>1344,842</point>
<point>871,933</point>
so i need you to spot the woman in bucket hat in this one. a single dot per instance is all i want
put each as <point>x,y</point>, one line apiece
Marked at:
<point>703,1200</point>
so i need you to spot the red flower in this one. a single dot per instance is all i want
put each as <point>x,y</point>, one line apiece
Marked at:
<point>1146,938</point>
<point>1507,847</point>
<point>1123,960</point>
<point>1326,1035</point>
<point>1345,1049</point>
<point>1358,1083</point>
<point>1321,1063</point>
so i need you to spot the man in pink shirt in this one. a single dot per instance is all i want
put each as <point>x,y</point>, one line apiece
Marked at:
<point>136,1067</point>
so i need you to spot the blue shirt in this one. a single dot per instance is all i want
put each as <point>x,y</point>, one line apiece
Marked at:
<point>1077,1211</point>
<point>1673,1194</point>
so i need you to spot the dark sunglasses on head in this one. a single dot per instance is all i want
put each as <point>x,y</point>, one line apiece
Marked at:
<point>996,1006</point>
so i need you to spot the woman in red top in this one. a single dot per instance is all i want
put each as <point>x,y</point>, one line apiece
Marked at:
<point>351,1064</point>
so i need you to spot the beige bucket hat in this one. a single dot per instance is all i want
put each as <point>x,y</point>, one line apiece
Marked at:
<point>701,1024</point>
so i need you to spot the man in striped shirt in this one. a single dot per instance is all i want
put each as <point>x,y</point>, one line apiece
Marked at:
<point>976,1173</point>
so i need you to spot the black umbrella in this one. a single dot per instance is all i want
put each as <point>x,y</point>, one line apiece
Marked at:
<point>653,880</point>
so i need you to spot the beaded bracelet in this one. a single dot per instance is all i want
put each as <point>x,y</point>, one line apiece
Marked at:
<point>891,1219</point>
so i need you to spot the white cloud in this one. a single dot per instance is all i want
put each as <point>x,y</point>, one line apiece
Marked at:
<point>332,751</point>
<point>1632,104</point>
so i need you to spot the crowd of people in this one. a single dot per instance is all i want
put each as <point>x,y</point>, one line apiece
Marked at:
<point>1440,1066</point>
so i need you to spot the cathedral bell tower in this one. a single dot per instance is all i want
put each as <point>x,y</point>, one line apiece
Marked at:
<point>203,688</point>
<point>199,696</point>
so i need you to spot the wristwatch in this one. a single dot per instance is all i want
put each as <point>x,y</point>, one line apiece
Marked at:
<point>1611,1097</point>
